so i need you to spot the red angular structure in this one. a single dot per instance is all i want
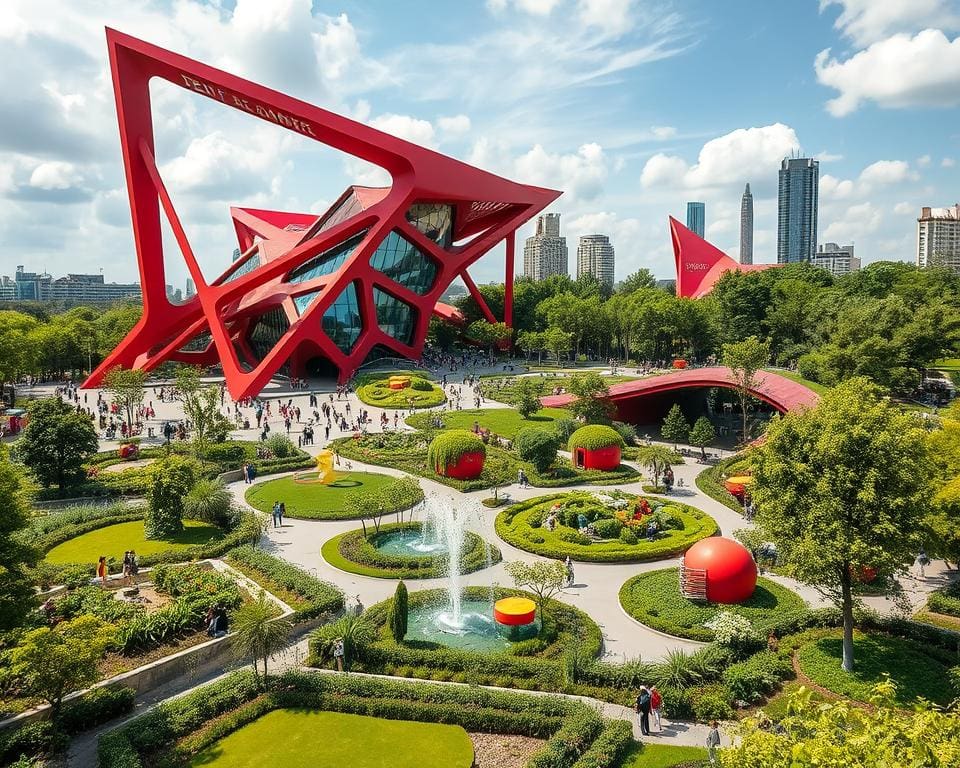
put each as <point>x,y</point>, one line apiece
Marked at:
<point>308,295</point>
<point>700,264</point>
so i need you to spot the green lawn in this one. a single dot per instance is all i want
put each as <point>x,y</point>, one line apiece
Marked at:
<point>654,599</point>
<point>301,738</point>
<point>505,422</point>
<point>114,540</point>
<point>820,389</point>
<point>952,364</point>
<point>915,670</point>
<point>315,501</point>
<point>662,756</point>
<point>373,389</point>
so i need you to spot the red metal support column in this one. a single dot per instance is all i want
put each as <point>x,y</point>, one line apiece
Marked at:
<point>508,280</point>
<point>477,296</point>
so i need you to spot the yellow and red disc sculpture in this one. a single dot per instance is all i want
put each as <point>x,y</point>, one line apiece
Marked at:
<point>398,382</point>
<point>738,484</point>
<point>514,611</point>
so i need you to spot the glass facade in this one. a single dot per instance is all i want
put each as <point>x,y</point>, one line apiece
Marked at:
<point>198,343</point>
<point>341,321</point>
<point>434,220</point>
<point>329,261</point>
<point>404,263</point>
<point>267,331</point>
<point>395,317</point>
<point>252,262</point>
<point>304,300</point>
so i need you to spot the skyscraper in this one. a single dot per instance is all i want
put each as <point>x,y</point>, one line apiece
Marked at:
<point>938,238</point>
<point>545,253</point>
<point>838,260</point>
<point>797,199</point>
<point>191,289</point>
<point>595,257</point>
<point>746,226</point>
<point>696,217</point>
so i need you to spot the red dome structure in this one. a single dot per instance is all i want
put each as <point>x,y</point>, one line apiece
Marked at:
<point>727,567</point>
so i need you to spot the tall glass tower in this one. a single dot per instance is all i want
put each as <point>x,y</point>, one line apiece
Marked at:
<point>797,221</point>
<point>696,217</point>
<point>746,226</point>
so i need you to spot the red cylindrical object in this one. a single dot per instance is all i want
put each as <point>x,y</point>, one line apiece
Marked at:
<point>467,467</point>
<point>601,458</point>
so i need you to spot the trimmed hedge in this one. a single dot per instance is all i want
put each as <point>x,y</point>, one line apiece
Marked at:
<point>593,437</point>
<point>275,575</point>
<point>521,526</point>
<point>710,481</point>
<point>447,448</point>
<point>420,394</point>
<point>610,747</point>
<point>357,553</point>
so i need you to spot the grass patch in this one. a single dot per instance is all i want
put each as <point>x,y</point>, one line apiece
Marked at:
<point>522,525</point>
<point>315,501</point>
<point>505,422</point>
<point>302,738</point>
<point>502,389</point>
<point>949,364</point>
<point>820,389</point>
<point>710,481</point>
<point>938,620</point>
<point>910,665</point>
<point>654,599</point>
<point>112,540</point>
<point>662,756</point>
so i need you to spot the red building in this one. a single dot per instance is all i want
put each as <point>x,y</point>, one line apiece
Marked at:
<point>308,295</point>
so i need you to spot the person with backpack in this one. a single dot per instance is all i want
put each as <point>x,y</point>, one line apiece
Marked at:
<point>643,710</point>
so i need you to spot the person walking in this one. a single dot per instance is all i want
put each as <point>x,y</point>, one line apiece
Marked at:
<point>102,570</point>
<point>568,564</point>
<point>126,567</point>
<point>643,710</point>
<point>656,704</point>
<point>713,741</point>
<point>923,560</point>
<point>276,512</point>
<point>281,511</point>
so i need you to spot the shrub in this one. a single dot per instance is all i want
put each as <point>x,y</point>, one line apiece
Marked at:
<point>734,631</point>
<point>398,613</point>
<point>95,707</point>
<point>209,501</point>
<point>30,740</point>
<point>280,446</point>
<point>448,447</point>
<point>574,537</point>
<point>421,385</point>
<point>608,528</point>
<point>711,702</point>
<point>627,536</point>
<point>627,431</point>
<point>170,480</point>
<point>564,427</point>
<point>538,446</point>
<point>593,437</point>
<point>757,677</point>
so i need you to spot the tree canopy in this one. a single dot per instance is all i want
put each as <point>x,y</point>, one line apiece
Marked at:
<point>56,442</point>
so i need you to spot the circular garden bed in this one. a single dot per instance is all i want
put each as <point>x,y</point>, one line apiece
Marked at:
<point>373,555</point>
<point>617,538</point>
<point>420,393</point>
<point>654,599</point>
<point>113,540</point>
<point>316,501</point>
<point>916,669</point>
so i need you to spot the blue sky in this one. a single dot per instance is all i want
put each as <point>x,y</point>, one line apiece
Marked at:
<point>632,108</point>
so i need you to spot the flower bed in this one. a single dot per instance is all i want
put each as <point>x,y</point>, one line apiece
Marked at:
<point>522,525</point>
<point>421,393</point>
<point>308,596</point>
<point>654,599</point>
<point>179,729</point>
<point>356,552</point>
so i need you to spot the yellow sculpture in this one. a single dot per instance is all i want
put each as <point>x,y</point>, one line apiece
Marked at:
<point>325,470</point>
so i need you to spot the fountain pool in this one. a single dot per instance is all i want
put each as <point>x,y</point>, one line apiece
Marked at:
<point>410,542</point>
<point>475,631</point>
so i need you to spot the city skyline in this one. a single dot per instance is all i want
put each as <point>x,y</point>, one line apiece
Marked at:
<point>797,209</point>
<point>602,123</point>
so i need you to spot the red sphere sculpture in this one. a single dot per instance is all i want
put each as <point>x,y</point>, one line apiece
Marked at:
<point>467,467</point>
<point>730,569</point>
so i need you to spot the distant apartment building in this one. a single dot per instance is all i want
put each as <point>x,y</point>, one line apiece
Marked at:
<point>938,238</point>
<point>191,289</point>
<point>746,226</point>
<point>697,218</point>
<point>797,203</point>
<point>72,289</point>
<point>838,260</point>
<point>595,256</point>
<point>545,253</point>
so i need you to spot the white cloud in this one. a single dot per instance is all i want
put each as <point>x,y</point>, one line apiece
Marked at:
<point>855,222</point>
<point>832,188</point>
<point>904,208</point>
<point>406,127</point>
<point>55,175</point>
<point>947,162</point>
<point>728,159</point>
<point>901,71</point>
<point>533,7</point>
<point>457,125</point>
<point>828,157</point>
<point>923,161</point>
<point>663,131</point>
<point>866,21</point>
<point>581,175</point>
<point>884,172</point>
<point>612,16</point>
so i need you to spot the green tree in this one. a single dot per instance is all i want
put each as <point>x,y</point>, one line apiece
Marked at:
<point>17,597</point>
<point>201,405</point>
<point>745,359</point>
<point>490,335</point>
<point>843,487</point>
<point>127,388</point>
<point>544,578</point>
<point>702,435</point>
<point>675,427</point>
<point>538,446</point>
<point>593,404</point>
<point>56,442</point>
<point>642,278</point>
<point>527,397</point>
<point>52,662</point>
<point>557,341</point>
<point>837,733</point>
<point>17,347</point>
<point>258,634</point>
<point>399,609</point>
<point>943,521</point>
<point>171,480</point>
<point>655,459</point>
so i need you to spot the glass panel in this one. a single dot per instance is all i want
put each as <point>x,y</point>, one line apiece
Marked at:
<point>252,262</point>
<point>341,321</point>
<point>394,317</point>
<point>434,220</point>
<point>267,331</point>
<point>349,207</point>
<point>329,261</point>
<point>198,343</point>
<point>404,263</point>
<point>304,300</point>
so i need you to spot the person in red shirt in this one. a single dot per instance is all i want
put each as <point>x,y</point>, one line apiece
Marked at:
<point>656,703</point>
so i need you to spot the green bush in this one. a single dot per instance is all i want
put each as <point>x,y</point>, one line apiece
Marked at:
<point>421,385</point>
<point>31,740</point>
<point>756,677</point>
<point>538,446</point>
<point>280,446</point>
<point>449,447</point>
<point>710,481</point>
<point>628,537</point>
<point>593,437</point>
<point>608,528</point>
<point>97,706</point>
<point>942,602</point>
<point>564,427</point>
<point>711,702</point>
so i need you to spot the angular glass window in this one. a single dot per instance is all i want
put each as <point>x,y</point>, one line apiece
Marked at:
<point>395,317</point>
<point>435,220</point>
<point>252,262</point>
<point>329,261</point>
<point>198,343</point>
<point>404,263</point>
<point>267,331</point>
<point>304,300</point>
<point>342,321</point>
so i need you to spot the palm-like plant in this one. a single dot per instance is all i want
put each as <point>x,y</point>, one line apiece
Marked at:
<point>656,459</point>
<point>677,670</point>
<point>208,501</point>
<point>355,631</point>
<point>258,634</point>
